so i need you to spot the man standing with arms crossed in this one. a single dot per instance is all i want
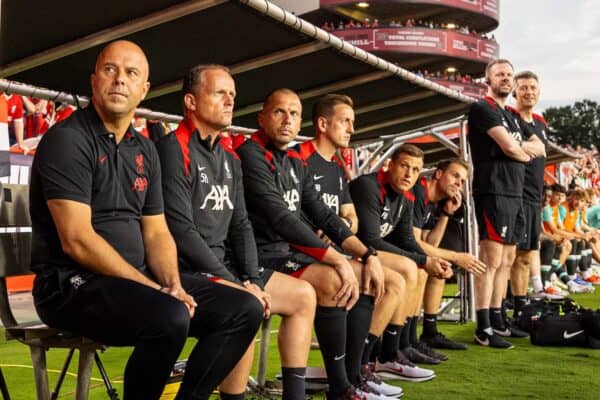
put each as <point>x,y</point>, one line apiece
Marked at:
<point>206,213</point>
<point>105,262</point>
<point>528,262</point>
<point>499,154</point>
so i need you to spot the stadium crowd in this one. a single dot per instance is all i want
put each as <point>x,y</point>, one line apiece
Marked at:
<point>143,244</point>
<point>331,26</point>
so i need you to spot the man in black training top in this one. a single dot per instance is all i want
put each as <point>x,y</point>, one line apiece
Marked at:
<point>105,262</point>
<point>436,200</point>
<point>384,205</point>
<point>500,150</point>
<point>278,187</point>
<point>333,119</point>
<point>206,213</point>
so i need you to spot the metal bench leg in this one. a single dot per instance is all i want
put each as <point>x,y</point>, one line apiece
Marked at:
<point>3,387</point>
<point>38,359</point>
<point>263,352</point>
<point>112,392</point>
<point>84,373</point>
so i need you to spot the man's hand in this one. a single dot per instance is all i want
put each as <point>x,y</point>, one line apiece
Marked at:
<point>179,293</point>
<point>262,296</point>
<point>347,296</point>
<point>372,277</point>
<point>453,203</point>
<point>470,263</point>
<point>557,239</point>
<point>438,268</point>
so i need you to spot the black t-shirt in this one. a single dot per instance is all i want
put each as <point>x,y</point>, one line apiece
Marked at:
<point>534,172</point>
<point>78,159</point>
<point>494,172</point>
<point>205,207</point>
<point>278,188</point>
<point>385,218</point>
<point>424,211</point>
<point>329,177</point>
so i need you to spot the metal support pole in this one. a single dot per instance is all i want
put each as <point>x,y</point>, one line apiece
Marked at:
<point>470,223</point>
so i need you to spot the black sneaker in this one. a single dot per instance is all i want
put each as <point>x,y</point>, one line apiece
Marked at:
<point>510,331</point>
<point>493,340</point>
<point>415,356</point>
<point>439,341</point>
<point>428,351</point>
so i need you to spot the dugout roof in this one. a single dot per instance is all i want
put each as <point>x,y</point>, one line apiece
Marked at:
<point>54,45</point>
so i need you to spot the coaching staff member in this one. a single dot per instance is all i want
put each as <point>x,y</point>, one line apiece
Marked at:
<point>500,151</point>
<point>105,261</point>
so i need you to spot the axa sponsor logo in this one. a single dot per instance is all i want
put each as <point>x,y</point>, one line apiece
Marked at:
<point>218,197</point>
<point>332,201</point>
<point>292,198</point>
<point>140,184</point>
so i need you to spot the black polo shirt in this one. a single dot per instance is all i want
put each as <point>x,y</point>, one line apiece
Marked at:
<point>534,172</point>
<point>78,159</point>
<point>494,173</point>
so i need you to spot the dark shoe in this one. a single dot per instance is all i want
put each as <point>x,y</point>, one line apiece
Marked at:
<point>439,341</point>
<point>495,341</point>
<point>428,351</point>
<point>416,357</point>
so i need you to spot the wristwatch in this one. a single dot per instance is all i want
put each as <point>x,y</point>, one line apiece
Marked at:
<point>370,252</point>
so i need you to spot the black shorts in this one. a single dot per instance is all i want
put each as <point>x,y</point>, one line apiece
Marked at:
<point>264,274</point>
<point>532,227</point>
<point>294,264</point>
<point>499,218</point>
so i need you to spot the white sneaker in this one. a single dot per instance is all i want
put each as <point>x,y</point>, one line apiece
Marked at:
<point>577,288</point>
<point>401,368</point>
<point>369,394</point>
<point>379,386</point>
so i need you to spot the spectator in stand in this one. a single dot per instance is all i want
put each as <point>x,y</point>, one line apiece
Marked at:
<point>63,112</point>
<point>15,120</point>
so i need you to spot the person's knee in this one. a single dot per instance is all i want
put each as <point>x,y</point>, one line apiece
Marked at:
<point>172,323</point>
<point>395,284</point>
<point>411,275</point>
<point>329,284</point>
<point>304,297</point>
<point>250,310</point>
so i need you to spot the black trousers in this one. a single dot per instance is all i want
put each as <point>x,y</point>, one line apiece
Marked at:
<point>120,312</point>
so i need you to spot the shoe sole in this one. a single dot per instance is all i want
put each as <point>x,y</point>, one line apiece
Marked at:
<point>386,375</point>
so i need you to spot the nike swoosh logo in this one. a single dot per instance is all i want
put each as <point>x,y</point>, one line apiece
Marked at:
<point>102,159</point>
<point>567,335</point>
<point>300,376</point>
<point>485,342</point>
<point>317,177</point>
<point>201,168</point>
<point>338,358</point>
<point>386,209</point>
<point>393,333</point>
<point>429,319</point>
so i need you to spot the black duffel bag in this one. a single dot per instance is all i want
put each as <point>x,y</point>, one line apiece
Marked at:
<point>559,330</point>
<point>537,308</point>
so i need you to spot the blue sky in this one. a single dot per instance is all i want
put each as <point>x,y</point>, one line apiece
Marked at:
<point>557,39</point>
